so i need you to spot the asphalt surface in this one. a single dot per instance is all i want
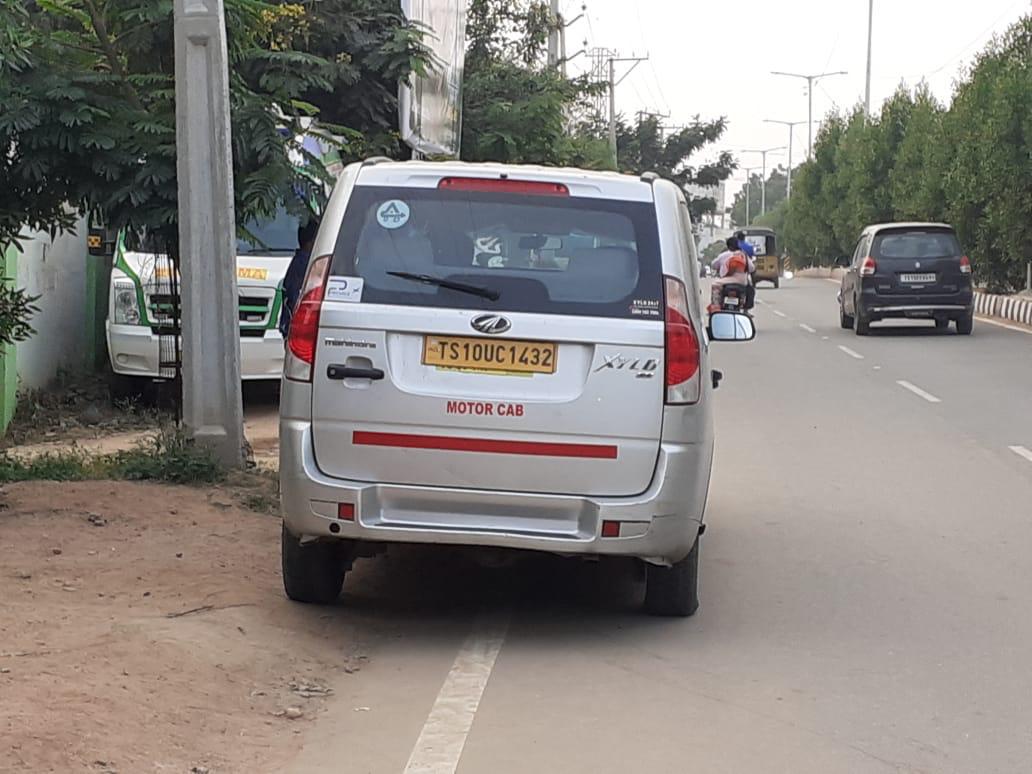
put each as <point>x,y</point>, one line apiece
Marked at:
<point>865,582</point>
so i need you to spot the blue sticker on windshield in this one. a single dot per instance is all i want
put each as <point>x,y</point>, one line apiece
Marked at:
<point>393,214</point>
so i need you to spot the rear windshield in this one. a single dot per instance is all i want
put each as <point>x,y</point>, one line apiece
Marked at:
<point>763,244</point>
<point>918,244</point>
<point>550,254</point>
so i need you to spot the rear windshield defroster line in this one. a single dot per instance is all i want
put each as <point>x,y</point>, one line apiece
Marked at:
<point>551,255</point>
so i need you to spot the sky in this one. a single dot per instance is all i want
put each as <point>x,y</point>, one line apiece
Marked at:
<point>714,58</point>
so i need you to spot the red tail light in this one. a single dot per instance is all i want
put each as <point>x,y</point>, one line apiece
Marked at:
<point>683,382</point>
<point>868,267</point>
<point>965,265</point>
<point>304,325</point>
<point>499,185</point>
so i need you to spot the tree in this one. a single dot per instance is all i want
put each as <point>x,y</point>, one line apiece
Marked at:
<point>89,115</point>
<point>644,147</point>
<point>969,164</point>
<point>88,90</point>
<point>515,109</point>
<point>989,173</point>
<point>777,188</point>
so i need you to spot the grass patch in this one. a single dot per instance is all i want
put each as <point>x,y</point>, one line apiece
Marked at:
<point>168,457</point>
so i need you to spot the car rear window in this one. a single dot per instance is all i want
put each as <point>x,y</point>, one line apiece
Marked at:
<point>549,254</point>
<point>918,243</point>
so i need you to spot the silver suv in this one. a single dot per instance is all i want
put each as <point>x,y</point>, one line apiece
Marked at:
<point>499,356</point>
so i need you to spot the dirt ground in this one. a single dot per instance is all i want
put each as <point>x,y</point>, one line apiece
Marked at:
<point>143,629</point>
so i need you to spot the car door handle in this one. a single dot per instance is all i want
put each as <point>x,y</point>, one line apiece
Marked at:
<point>341,372</point>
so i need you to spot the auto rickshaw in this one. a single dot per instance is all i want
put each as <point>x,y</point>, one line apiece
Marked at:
<point>768,263</point>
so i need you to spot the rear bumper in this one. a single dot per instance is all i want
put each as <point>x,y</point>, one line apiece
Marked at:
<point>882,306</point>
<point>659,526</point>
<point>133,351</point>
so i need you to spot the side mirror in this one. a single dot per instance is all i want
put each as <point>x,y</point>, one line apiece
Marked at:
<point>731,326</point>
<point>843,262</point>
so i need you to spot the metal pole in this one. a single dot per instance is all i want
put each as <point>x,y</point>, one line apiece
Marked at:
<point>788,183</point>
<point>748,196</point>
<point>870,34</point>
<point>553,34</point>
<point>212,408</point>
<point>809,117</point>
<point>612,111</point>
<point>763,186</point>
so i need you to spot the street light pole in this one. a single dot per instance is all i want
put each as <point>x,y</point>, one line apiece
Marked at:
<point>212,406</point>
<point>810,81</point>
<point>870,35</point>
<point>748,194</point>
<point>791,133</point>
<point>763,180</point>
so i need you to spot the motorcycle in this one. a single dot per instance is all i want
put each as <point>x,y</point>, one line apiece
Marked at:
<point>733,298</point>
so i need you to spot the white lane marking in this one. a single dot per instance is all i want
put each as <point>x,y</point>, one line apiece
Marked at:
<point>833,281</point>
<point>440,744</point>
<point>825,338</point>
<point>918,391</point>
<point>761,301</point>
<point>780,314</point>
<point>1021,451</point>
<point>877,368</point>
<point>851,353</point>
<point>807,328</point>
<point>999,324</point>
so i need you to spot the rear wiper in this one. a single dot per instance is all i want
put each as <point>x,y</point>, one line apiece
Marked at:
<point>462,287</point>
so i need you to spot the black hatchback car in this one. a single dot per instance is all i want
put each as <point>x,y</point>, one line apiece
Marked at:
<point>907,270</point>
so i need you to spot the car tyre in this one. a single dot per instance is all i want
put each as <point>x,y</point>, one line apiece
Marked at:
<point>941,323</point>
<point>861,324</point>
<point>845,321</point>
<point>674,591</point>
<point>965,324</point>
<point>313,573</point>
<point>776,282</point>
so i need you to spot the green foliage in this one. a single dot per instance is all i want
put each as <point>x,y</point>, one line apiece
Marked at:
<point>969,165</point>
<point>645,148</point>
<point>777,186</point>
<point>16,309</point>
<point>168,457</point>
<point>89,113</point>
<point>515,109</point>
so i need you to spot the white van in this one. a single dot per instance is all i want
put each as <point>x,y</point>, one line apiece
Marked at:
<point>140,330</point>
<point>500,356</point>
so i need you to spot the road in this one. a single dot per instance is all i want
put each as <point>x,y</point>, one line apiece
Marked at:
<point>864,590</point>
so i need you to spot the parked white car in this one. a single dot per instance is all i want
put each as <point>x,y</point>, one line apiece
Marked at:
<point>500,356</point>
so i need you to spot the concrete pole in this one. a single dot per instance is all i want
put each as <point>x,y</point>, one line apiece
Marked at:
<point>553,34</point>
<point>870,34</point>
<point>612,111</point>
<point>212,406</point>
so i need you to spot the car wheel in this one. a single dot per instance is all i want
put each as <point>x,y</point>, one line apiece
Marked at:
<point>313,572</point>
<point>965,324</point>
<point>674,590</point>
<point>861,324</point>
<point>776,282</point>
<point>844,319</point>
<point>941,323</point>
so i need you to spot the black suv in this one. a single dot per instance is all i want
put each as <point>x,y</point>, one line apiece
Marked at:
<point>907,270</point>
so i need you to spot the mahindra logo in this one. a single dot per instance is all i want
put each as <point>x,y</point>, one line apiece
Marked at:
<point>491,323</point>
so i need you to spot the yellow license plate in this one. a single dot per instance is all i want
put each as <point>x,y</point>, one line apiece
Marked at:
<point>252,274</point>
<point>522,357</point>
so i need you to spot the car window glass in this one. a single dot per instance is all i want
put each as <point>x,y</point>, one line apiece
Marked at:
<point>552,254</point>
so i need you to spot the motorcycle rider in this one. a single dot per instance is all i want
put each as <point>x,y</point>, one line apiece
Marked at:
<point>732,267</point>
